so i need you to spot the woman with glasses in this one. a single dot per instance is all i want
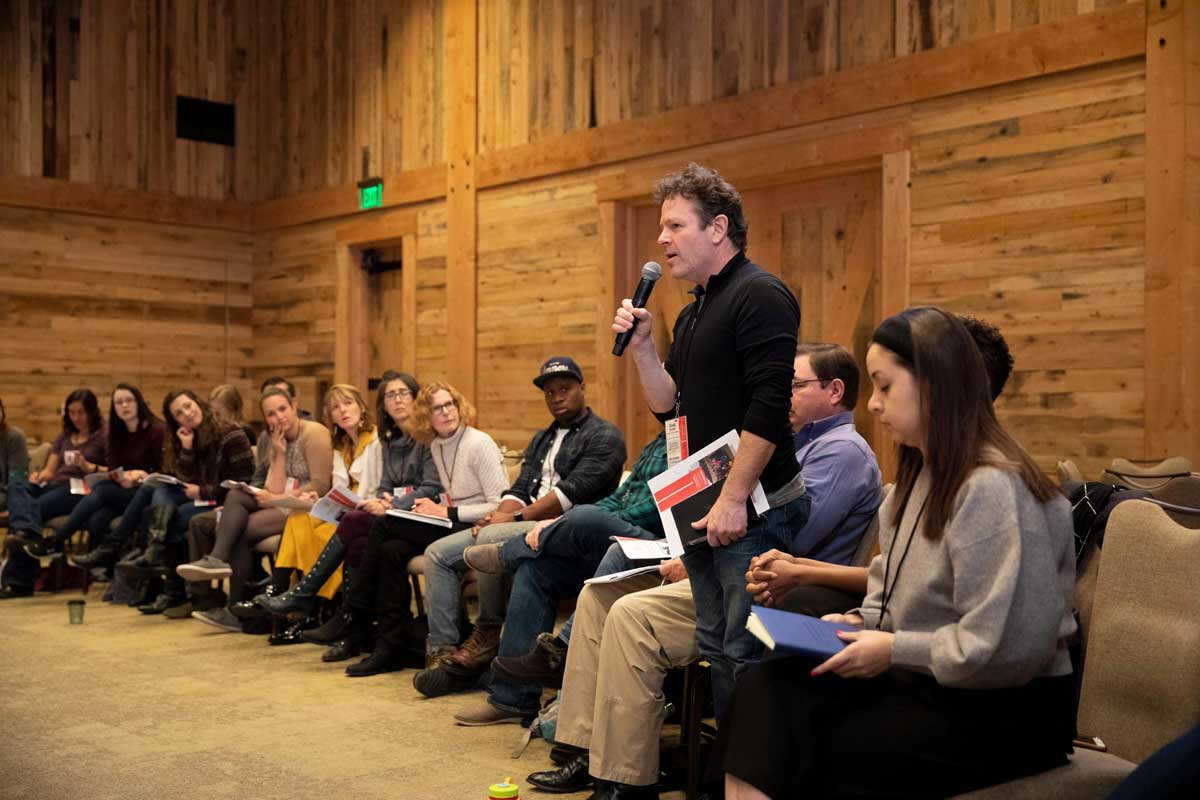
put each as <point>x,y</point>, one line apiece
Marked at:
<point>135,446</point>
<point>470,466</point>
<point>408,474</point>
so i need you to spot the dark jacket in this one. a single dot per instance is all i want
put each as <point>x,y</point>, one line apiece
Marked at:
<point>589,461</point>
<point>408,463</point>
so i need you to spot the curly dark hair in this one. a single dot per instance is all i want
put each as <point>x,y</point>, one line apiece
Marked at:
<point>207,444</point>
<point>710,194</point>
<point>996,358</point>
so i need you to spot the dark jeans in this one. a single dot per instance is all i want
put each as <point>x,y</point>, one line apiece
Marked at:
<point>718,576</point>
<point>567,555</point>
<point>24,514</point>
<point>96,511</point>
<point>380,586</point>
<point>47,502</point>
<point>355,531</point>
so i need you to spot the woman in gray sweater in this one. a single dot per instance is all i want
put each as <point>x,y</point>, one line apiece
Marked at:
<point>960,665</point>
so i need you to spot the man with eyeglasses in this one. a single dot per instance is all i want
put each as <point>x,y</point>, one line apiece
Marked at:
<point>631,632</point>
<point>576,460</point>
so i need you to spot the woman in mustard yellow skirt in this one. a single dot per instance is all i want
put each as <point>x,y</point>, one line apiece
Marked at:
<point>356,466</point>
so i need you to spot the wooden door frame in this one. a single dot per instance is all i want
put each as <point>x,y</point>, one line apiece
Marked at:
<point>351,356</point>
<point>616,390</point>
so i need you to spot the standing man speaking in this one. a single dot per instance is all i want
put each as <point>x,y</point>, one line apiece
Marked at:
<point>729,367</point>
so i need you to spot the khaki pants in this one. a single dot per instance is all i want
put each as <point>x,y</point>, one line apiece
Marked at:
<point>627,634</point>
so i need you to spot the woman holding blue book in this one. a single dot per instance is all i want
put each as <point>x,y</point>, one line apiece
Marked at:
<point>957,676</point>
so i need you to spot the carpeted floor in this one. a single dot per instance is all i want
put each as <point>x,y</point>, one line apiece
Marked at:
<point>129,706</point>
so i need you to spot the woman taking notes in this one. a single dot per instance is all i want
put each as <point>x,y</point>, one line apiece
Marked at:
<point>958,675</point>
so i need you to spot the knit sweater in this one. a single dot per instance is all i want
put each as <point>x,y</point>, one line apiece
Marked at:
<point>234,460</point>
<point>471,468</point>
<point>988,604</point>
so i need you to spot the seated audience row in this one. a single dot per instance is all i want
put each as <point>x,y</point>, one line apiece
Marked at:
<point>959,624</point>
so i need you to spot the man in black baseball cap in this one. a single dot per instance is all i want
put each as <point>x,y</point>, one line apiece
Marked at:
<point>576,460</point>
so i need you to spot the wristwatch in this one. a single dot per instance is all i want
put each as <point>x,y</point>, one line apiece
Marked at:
<point>518,515</point>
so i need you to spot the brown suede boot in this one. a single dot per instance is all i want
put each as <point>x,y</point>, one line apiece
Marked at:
<point>477,651</point>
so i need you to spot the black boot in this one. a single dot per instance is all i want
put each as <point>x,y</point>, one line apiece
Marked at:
<point>154,561</point>
<point>383,659</point>
<point>105,555</point>
<point>303,596</point>
<point>291,633</point>
<point>337,628</point>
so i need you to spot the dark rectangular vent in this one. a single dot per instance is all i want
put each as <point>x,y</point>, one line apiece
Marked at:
<point>204,120</point>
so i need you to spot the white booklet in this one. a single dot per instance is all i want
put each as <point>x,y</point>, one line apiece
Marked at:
<point>88,482</point>
<point>335,505</point>
<point>685,492</point>
<point>245,487</point>
<point>643,549</point>
<point>162,479</point>
<point>428,519</point>
<point>620,576</point>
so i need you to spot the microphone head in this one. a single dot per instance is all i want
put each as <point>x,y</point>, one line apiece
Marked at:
<point>651,271</point>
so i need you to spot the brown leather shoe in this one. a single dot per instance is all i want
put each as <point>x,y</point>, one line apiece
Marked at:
<point>478,650</point>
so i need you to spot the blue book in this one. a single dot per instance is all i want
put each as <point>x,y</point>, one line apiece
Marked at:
<point>800,634</point>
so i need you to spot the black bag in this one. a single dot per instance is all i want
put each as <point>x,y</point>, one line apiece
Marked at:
<point>1091,505</point>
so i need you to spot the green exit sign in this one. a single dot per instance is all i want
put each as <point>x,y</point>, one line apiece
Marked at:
<point>370,194</point>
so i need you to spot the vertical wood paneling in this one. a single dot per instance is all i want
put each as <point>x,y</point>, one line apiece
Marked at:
<point>1173,228</point>
<point>1028,210</point>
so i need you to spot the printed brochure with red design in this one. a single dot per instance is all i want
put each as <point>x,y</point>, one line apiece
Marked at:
<point>685,492</point>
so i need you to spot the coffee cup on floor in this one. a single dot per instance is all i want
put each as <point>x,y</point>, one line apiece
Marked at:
<point>75,611</point>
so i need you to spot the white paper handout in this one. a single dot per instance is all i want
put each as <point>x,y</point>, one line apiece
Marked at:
<point>620,576</point>
<point>333,506</point>
<point>162,479</point>
<point>245,487</point>
<point>428,519</point>
<point>685,492</point>
<point>643,549</point>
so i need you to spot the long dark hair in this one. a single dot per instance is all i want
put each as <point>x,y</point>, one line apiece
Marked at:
<point>90,404</point>
<point>961,429</point>
<point>388,429</point>
<point>206,445</point>
<point>118,431</point>
<point>3,417</point>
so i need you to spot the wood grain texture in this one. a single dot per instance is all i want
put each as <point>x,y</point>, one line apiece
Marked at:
<point>1029,210</point>
<point>90,302</point>
<point>1172,262</point>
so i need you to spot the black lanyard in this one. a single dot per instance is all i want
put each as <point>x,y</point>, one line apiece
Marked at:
<point>912,532</point>
<point>688,333</point>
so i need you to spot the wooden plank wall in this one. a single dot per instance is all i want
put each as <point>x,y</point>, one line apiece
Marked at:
<point>343,86</point>
<point>1028,210</point>
<point>322,88</point>
<point>91,302</point>
<point>91,85</point>
<point>548,67</point>
<point>539,275</point>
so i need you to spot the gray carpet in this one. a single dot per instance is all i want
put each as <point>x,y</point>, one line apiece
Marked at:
<point>129,706</point>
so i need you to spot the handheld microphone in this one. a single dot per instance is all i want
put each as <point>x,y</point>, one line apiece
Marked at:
<point>651,272</point>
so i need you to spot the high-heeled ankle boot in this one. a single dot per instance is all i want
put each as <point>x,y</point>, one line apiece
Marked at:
<point>303,595</point>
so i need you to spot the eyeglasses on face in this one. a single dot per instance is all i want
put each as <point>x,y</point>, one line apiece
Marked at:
<point>798,385</point>
<point>397,394</point>
<point>444,408</point>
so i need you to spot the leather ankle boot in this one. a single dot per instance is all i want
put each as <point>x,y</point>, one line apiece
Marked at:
<point>477,651</point>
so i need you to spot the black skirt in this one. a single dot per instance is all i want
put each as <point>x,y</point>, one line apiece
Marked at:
<point>900,735</point>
